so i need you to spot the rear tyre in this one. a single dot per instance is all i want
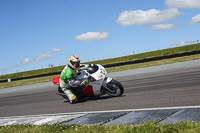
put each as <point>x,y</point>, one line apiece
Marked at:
<point>114,88</point>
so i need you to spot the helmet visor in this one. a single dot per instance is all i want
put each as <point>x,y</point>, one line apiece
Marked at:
<point>77,64</point>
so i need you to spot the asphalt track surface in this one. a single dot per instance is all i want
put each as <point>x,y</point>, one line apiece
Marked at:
<point>154,89</point>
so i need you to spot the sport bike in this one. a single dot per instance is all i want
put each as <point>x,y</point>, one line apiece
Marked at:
<point>99,84</point>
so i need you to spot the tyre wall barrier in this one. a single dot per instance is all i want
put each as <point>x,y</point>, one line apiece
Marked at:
<point>115,64</point>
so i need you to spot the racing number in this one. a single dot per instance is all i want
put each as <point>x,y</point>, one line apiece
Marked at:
<point>102,71</point>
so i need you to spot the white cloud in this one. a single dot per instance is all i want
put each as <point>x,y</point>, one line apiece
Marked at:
<point>195,19</point>
<point>26,60</point>
<point>151,16</point>
<point>183,43</point>
<point>5,68</point>
<point>42,56</point>
<point>10,67</point>
<point>163,26</point>
<point>46,55</point>
<point>54,50</point>
<point>183,3</point>
<point>92,36</point>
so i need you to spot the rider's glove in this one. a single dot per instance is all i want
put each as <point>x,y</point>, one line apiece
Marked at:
<point>74,83</point>
<point>85,82</point>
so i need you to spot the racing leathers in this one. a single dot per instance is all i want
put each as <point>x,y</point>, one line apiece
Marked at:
<point>67,82</point>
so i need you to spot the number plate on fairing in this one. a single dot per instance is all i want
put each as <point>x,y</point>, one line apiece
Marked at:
<point>100,73</point>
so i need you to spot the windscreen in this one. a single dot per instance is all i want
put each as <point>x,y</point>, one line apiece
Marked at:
<point>92,68</point>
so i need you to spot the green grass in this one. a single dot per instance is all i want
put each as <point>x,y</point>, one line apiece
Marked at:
<point>154,63</point>
<point>112,69</point>
<point>107,61</point>
<point>149,127</point>
<point>158,53</point>
<point>32,73</point>
<point>27,81</point>
<point>169,51</point>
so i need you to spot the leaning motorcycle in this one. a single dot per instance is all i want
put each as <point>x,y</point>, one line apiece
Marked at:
<point>99,83</point>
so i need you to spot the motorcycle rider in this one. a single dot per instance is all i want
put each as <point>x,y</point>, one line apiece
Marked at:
<point>67,81</point>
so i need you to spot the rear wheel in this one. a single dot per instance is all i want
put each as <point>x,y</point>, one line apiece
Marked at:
<point>113,88</point>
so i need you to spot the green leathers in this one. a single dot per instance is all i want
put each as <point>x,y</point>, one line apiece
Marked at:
<point>67,75</point>
<point>67,81</point>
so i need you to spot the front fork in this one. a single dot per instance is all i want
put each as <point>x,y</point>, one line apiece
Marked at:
<point>104,85</point>
<point>107,80</point>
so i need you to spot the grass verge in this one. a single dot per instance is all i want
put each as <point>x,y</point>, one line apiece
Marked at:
<point>112,69</point>
<point>158,53</point>
<point>26,81</point>
<point>154,63</point>
<point>149,127</point>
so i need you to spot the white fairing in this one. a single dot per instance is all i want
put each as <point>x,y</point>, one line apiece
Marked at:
<point>101,73</point>
<point>107,80</point>
<point>97,87</point>
<point>99,76</point>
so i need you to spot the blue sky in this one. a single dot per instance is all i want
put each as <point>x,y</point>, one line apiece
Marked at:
<point>34,33</point>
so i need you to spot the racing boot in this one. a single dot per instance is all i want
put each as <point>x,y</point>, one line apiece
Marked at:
<point>72,98</point>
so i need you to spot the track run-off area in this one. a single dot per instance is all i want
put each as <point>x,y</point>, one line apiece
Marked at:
<point>167,88</point>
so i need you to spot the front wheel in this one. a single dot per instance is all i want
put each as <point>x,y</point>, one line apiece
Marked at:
<point>113,88</point>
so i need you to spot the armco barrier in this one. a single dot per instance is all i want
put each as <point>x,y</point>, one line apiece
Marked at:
<point>116,64</point>
<point>29,77</point>
<point>152,59</point>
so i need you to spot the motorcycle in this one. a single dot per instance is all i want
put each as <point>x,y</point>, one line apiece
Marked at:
<point>99,83</point>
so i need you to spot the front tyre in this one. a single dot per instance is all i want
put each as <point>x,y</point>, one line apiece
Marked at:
<point>113,88</point>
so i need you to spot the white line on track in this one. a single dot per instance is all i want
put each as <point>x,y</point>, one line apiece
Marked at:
<point>137,110</point>
<point>111,111</point>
